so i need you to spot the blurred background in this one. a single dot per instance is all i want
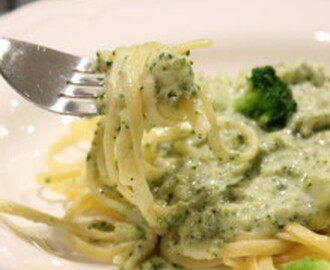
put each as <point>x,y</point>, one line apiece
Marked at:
<point>8,5</point>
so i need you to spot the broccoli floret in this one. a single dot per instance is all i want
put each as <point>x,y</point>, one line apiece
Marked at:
<point>173,76</point>
<point>268,100</point>
<point>158,263</point>
<point>308,264</point>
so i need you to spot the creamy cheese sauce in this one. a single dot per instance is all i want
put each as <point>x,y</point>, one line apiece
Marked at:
<point>287,181</point>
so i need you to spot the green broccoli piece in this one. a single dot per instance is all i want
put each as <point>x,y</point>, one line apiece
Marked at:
<point>268,100</point>
<point>308,264</point>
<point>174,77</point>
<point>158,263</point>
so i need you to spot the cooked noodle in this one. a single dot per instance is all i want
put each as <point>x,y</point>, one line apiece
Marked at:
<point>114,215</point>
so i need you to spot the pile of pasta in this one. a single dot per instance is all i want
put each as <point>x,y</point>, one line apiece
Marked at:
<point>112,215</point>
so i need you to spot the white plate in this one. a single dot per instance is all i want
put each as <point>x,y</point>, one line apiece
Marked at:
<point>246,33</point>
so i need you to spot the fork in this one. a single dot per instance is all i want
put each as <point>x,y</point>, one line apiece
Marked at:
<point>56,81</point>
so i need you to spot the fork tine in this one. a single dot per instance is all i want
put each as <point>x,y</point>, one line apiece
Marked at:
<point>87,79</point>
<point>75,106</point>
<point>85,65</point>
<point>78,91</point>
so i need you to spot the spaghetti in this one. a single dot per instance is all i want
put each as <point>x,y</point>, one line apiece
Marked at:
<point>174,180</point>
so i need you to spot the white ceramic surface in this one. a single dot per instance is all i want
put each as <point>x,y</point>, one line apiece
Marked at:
<point>246,33</point>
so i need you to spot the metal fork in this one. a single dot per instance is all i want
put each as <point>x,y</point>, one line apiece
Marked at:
<point>56,81</point>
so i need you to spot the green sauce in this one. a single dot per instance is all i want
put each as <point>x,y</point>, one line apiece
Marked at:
<point>288,181</point>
